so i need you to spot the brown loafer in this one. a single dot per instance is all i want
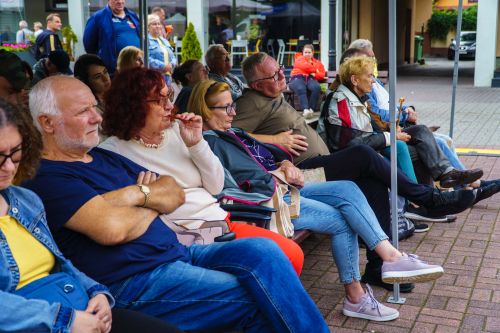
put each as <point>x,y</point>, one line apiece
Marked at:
<point>458,177</point>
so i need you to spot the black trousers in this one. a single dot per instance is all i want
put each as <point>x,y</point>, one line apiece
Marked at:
<point>127,321</point>
<point>423,148</point>
<point>372,173</point>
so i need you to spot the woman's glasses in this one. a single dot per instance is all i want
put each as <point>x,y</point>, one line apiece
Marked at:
<point>164,101</point>
<point>15,156</point>
<point>228,108</point>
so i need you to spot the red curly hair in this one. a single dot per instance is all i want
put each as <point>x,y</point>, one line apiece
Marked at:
<point>125,102</point>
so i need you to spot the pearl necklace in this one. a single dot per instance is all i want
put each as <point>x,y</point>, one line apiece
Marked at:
<point>151,145</point>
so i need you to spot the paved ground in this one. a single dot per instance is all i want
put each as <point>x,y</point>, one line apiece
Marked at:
<point>467,297</point>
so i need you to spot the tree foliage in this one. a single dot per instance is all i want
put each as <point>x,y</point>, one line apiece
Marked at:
<point>444,21</point>
<point>191,49</point>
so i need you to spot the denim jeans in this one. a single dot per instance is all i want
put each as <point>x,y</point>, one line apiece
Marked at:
<point>300,85</point>
<point>339,209</point>
<point>246,284</point>
<point>448,150</point>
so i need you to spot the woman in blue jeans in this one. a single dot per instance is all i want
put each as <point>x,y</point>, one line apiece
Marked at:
<point>40,290</point>
<point>335,208</point>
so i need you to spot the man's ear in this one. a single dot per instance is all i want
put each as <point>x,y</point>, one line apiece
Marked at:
<point>46,123</point>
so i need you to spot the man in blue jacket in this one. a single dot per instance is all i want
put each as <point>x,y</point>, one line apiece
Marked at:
<point>48,40</point>
<point>109,30</point>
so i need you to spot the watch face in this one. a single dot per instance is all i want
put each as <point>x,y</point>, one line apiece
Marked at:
<point>145,189</point>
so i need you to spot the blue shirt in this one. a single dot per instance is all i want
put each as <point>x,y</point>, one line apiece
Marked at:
<point>125,33</point>
<point>66,186</point>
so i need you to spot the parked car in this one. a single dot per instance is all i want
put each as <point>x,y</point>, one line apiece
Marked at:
<point>467,46</point>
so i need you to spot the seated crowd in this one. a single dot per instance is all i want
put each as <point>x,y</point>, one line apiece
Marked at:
<point>111,193</point>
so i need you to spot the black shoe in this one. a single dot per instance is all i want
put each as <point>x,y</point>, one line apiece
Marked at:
<point>374,279</point>
<point>420,214</point>
<point>458,177</point>
<point>454,202</point>
<point>489,182</point>
<point>485,192</point>
<point>421,227</point>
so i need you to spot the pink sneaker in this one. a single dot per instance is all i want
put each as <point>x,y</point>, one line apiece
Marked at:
<point>369,308</point>
<point>409,269</point>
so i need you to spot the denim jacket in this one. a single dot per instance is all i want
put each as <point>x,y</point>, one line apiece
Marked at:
<point>156,55</point>
<point>18,313</point>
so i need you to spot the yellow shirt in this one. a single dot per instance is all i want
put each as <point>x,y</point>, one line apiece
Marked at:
<point>164,49</point>
<point>33,259</point>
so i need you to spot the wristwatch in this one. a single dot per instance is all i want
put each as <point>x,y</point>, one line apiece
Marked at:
<point>145,189</point>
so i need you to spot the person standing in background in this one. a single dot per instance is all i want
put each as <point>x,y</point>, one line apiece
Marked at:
<point>48,40</point>
<point>110,30</point>
<point>37,28</point>
<point>23,34</point>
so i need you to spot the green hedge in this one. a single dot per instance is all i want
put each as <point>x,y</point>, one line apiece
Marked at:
<point>443,21</point>
<point>191,49</point>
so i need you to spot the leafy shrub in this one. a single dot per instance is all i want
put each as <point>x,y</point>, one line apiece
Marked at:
<point>191,49</point>
<point>444,21</point>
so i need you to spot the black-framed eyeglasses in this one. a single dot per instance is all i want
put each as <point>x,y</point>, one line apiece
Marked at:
<point>164,101</point>
<point>228,108</point>
<point>275,76</point>
<point>15,156</point>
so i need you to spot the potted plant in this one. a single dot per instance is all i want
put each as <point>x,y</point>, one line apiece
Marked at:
<point>69,40</point>
<point>191,49</point>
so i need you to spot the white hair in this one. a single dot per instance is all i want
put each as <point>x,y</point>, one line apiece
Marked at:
<point>42,100</point>
<point>23,24</point>
<point>361,44</point>
<point>212,52</point>
<point>152,18</point>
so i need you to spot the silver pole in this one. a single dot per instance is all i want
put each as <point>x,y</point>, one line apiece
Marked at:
<point>392,107</point>
<point>143,9</point>
<point>455,67</point>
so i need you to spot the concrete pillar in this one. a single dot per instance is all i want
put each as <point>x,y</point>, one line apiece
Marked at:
<point>197,13</point>
<point>487,21</point>
<point>325,32</point>
<point>78,12</point>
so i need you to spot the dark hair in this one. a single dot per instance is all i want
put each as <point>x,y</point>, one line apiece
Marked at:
<point>125,102</point>
<point>352,52</point>
<point>181,71</point>
<point>82,65</point>
<point>27,70</point>
<point>156,9</point>
<point>32,140</point>
<point>308,46</point>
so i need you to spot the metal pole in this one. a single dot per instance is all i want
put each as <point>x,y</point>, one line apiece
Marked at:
<point>455,67</point>
<point>392,107</point>
<point>333,35</point>
<point>143,9</point>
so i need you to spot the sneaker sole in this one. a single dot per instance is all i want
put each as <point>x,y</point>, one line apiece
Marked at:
<point>416,217</point>
<point>417,230</point>
<point>423,275</point>
<point>368,317</point>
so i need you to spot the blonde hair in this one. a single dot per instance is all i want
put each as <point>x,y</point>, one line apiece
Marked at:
<point>354,66</point>
<point>201,92</point>
<point>126,58</point>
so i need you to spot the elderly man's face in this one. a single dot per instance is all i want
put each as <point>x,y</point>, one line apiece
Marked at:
<point>117,6</point>
<point>270,80</point>
<point>76,128</point>
<point>221,63</point>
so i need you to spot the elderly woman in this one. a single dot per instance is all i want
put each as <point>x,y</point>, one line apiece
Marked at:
<point>142,128</point>
<point>219,68</point>
<point>161,55</point>
<point>42,291</point>
<point>188,74</point>
<point>349,116</point>
<point>306,73</point>
<point>130,57</point>
<point>335,208</point>
<point>90,69</point>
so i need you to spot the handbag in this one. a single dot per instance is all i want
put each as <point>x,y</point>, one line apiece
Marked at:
<point>281,220</point>
<point>57,288</point>
<point>207,233</point>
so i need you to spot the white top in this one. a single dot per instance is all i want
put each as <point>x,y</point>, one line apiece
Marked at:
<point>196,169</point>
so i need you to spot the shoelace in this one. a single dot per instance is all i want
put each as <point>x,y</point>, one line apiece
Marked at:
<point>371,300</point>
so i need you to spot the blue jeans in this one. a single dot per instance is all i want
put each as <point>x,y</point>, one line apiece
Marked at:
<point>340,209</point>
<point>246,284</point>
<point>404,160</point>
<point>449,152</point>
<point>300,87</point>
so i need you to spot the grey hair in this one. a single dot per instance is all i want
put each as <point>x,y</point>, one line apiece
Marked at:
<point>361,44</point>
<point>211,53</point>
<point>23,24</point>
<point>42,100</point>
<point>152,18</point>
<point>249,65</point>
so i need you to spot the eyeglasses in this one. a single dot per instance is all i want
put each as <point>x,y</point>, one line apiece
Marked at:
<point>275,76</point>
<point>228,108</point>
<point>15,157</point>
<point>164,101</point>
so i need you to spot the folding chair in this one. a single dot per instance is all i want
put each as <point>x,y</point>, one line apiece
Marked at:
<point>270,47</point>
<point>239,47</point>
<point>282,52</point>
